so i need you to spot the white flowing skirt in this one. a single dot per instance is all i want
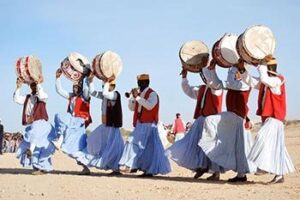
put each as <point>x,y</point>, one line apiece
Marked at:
<point>269,152</point>
<point>226,142</point>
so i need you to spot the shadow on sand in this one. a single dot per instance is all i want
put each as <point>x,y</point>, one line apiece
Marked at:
<point>19,171</point>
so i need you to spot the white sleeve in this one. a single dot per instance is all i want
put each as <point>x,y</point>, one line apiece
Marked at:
<point>131,103</point>
<point>93,92</point>
<point>189,90</point>
<point>18,98</point>
<point>212,79</point>
<point>107,94</point>
<point>234,84</point>
<point>150,102</point>
<point>252,81</point>
<point>60,90</point>
<point>41,94</point>
<point>85,90</point>
<point>272,82</point>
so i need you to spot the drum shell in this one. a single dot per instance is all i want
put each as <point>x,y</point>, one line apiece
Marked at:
<point>243,52</point>
<point>70,72</point>
<point>29,69</point>
<point>217,55</point>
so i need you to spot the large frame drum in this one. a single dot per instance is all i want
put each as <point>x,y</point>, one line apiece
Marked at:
<point>75,67</point>
<point>29,69</point>
<point>194,55</point>
<point>107,64</point>
<point>224,51</point>
<point>255,43</point>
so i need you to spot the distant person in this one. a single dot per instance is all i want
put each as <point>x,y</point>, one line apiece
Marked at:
<point>1,136</point>
<point>178,127</point>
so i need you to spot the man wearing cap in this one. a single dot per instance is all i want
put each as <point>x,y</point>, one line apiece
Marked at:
<point>225,139</point>
<point>144,150</point>
<point>105,144</point>
<point>186,152</point>
<point>178,127</point>
<point>71,125</point>
<point>269,152</point>
<point>36,148</point>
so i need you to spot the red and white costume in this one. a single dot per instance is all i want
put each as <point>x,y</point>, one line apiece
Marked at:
<point>269,152</point>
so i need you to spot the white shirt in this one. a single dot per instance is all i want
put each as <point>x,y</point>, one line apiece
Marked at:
<point>274,83</point>
<point>148,104</point>
<point>104,95</point>
<point>20,99</point>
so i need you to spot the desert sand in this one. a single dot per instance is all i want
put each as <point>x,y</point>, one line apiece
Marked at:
<point>65,183</point>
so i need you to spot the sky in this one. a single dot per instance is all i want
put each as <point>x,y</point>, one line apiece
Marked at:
<point>147,35</point>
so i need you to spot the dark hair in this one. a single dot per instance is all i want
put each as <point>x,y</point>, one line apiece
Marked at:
<point>272,68</point>
<point>177,115</point>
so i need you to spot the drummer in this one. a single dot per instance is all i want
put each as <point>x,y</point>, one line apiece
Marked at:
<point>36,148</point>
<point>186,151</point>
<point>105,144</point>
<point>227,128</point>
<point>71,125</point>
<point>144,150</point>
<point>269,152</point>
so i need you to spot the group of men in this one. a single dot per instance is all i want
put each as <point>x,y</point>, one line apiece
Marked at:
<point>217,141</point>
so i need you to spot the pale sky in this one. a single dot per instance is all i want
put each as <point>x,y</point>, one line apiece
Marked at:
<point>147,35</point>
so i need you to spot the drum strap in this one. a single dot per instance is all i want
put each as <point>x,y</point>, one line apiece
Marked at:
<point>203,100</point>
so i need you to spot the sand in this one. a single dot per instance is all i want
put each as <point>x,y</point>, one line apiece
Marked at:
<point>65,183</point>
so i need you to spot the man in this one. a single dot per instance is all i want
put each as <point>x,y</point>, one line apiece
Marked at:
<point>186,152</point>
<point>71,126</point>
<point>105,144</point>
<point>178,127</point>
<point>269,152</point>
<point>36,149</point>
<point>225,139</point>
<point>144,150</point>
<point>1,136</point>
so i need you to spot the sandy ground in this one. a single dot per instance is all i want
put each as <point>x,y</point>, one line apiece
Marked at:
<point>65,183</point>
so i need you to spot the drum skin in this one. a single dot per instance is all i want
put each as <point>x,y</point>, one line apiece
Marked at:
<point>193,54</point>
<point>255,43</point>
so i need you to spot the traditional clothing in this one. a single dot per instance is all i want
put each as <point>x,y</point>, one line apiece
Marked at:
<point>144,150</point>
<point>225,139</point>
<point>178,129</point>
<point>269,152</point>
<point>105,144</point>
<point>39,133</point>
<point>70,126</point>
<point>186,152</point>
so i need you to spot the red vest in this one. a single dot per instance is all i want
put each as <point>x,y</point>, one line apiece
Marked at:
<point>178,126</point>
<point>146,116</point>
<point>39,111</point>
<point>81,109</point>
<point>212,104</point>
<point>236,102</point>
<point>272,105</point>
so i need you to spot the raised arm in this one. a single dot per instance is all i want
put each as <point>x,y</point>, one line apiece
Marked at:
<point>107,94</point>
<point>58,86</point>
<point>272,82</point>
<point>18,98</point>
<point>85,89</point>
<point>251,81</point>
<point>41,94</point>
<point>190,91</point>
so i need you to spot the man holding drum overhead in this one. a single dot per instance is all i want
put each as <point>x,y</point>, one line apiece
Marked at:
<point>225,139</point>
<point>269,152</point>
<point>186,152</point>
<point>144,150</point>
<point>105,144</point>
<point>71,125</point>
<point>36,148</point>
